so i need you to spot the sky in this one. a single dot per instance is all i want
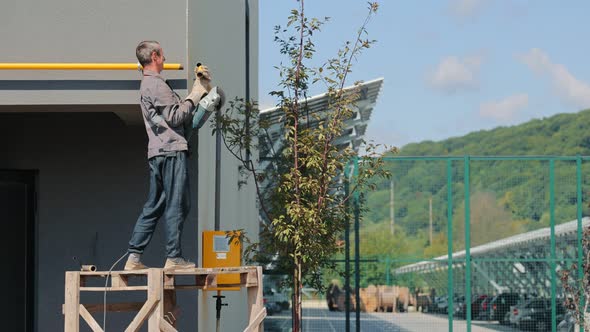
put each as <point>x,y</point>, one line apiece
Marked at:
<point>450,67</point>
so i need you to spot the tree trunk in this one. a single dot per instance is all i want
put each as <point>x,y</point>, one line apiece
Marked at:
<point>296,316</point>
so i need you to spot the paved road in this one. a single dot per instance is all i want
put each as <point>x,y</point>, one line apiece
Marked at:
<point>316,318</point>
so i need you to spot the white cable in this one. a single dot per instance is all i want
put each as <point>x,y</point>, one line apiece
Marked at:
<point>104,314</point>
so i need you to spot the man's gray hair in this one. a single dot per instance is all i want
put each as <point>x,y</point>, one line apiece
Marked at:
<point>144,51</point>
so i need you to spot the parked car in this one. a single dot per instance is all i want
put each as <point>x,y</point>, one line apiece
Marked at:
<point>458,302</point>
<point>476,301</point>
<point>271,295</point>
<point>540,320</point>
<point>527,307</point>
<point>271,307</point>
<point>435,304</point>
<point>516,311</point>
<point>476,305</point>
<point>484,309</point>
<point>500,305</point>
<point>442,304</point>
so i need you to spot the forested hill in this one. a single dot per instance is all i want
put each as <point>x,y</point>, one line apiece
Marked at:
<point>562,134</point>
<point>508,197</point>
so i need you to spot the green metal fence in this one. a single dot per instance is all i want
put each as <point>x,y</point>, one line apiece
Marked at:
<point>465,229</point>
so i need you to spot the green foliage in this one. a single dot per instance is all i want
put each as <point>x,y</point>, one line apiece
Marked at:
<point>508,197</point>
<point>562,134</point>
<point>304,204</point>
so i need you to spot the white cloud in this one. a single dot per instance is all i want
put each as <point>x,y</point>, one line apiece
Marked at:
<point>453,74</point>
<point>504,110</point>
<point>465,8</point>
<point>567,86</point>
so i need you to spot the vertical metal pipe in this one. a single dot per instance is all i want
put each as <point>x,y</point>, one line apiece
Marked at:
<point>357,276</point>
<point>553,253</point>
<point>467,245</point>
<point>388,271</point>
<point>430,218</point>
<point>247,42</point>
<point>196,204</point>
<point>579,216</point>
<point>217,175</point>
<point>392,207</point>
<point>450,239</point>
<point>347,259</point>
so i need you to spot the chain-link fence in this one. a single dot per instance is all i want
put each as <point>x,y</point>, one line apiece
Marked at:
<point>458,244</point>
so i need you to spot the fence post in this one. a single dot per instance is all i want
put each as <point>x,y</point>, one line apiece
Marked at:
<point>450,238</point>
<point>553,254</point>
<point>579,216</point>
<point>357,276</point>
<point>387,271</point>
<point>347,257</point>
<point>467,245</point>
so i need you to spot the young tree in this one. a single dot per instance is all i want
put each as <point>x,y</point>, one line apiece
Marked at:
<point>304,203</point>
<point>576,285</point>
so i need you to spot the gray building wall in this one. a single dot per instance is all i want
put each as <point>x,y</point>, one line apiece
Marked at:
<point>82,131</point>
<point>86,31</point>
<point>236,206</point>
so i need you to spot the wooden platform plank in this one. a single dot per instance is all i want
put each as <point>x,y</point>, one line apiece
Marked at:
<point>143,272</point>
<point>205,271</point>
<point>114,289</point>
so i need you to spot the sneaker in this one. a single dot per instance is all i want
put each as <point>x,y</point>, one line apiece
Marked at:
<point>131,266</point>
<point>178,263</point>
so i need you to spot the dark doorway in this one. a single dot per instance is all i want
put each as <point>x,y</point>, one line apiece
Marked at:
<point>17,247</point>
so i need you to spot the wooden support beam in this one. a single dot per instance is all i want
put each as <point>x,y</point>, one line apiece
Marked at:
<point>166,327</point>
<point>169,281</point>
<point>142,315</point>
<point>171,310</point>
<point>119,280</point>
<point>255,303</point>
<point>252,278</point>
<point>72,302</point>
<point>156,291</point>
<point>255,325</point>
<point>89,319</point>
<point>114,307</point>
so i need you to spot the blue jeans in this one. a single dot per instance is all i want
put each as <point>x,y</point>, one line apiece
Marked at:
<point>169,196</point>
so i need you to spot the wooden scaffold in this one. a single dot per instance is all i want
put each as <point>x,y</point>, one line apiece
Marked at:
<point>161,290</point>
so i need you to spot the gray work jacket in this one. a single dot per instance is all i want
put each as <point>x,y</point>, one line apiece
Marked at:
<point>164,115</point>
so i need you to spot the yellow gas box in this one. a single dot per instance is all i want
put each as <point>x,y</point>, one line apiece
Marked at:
<point>219,252</point>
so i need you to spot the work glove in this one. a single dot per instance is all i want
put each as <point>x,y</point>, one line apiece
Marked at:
<point>212,102</point>
<point>201,86</point>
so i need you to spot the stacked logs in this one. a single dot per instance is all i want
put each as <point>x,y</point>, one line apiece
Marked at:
<point>378,298</point>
